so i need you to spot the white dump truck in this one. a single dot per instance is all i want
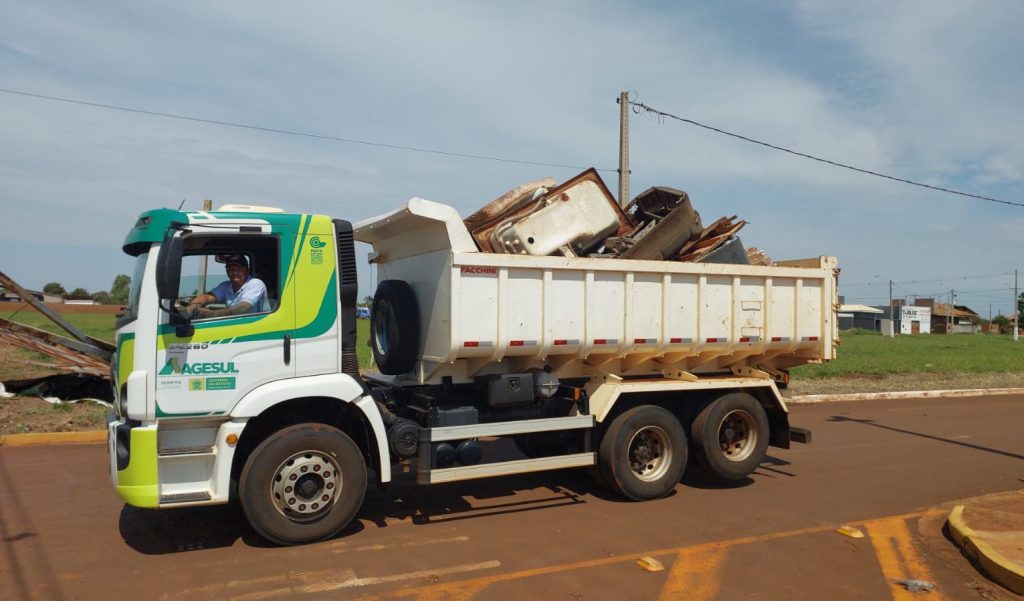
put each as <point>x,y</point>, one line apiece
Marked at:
<point>630,367</point>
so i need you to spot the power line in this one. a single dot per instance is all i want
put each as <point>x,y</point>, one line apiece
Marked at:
<point>292,132</point>
<point>659,113</point>
<point>951,279</point>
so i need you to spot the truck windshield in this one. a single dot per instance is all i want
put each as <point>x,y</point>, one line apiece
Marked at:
<point>131,311</point>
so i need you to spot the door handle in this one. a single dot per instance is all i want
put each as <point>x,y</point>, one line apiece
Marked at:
<point>287,349</point>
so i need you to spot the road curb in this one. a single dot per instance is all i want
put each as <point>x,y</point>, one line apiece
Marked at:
<point>810,399</point>
<point>53,438</point>
<point>1005,572</point>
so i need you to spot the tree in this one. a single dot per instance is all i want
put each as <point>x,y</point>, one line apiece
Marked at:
<point>54,288</point>
<point>1002,322</point>
<point>119,289</point>
<point>102,297</point>
<point>80,293</point>
<point>1020,308</point>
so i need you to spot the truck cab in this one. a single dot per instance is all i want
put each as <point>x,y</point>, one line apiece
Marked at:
<point>195,397</point>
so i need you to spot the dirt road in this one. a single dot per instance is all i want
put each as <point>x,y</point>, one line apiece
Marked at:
<point>883,466</point>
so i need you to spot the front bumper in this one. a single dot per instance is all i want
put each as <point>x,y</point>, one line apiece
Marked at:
<point>132,452</point>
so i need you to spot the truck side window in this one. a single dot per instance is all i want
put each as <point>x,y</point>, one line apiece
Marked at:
<point>227,276</point>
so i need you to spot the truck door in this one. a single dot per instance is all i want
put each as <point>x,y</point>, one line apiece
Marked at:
<point>206,371</point>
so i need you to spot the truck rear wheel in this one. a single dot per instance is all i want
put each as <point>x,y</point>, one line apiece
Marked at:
<point>643,453</point>
<point>394,327</point>
<point>731,435</point>
<point>303,484</point>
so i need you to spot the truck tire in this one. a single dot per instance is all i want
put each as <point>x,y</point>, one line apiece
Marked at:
<point>394,327</point>
<point>302,484</point>
<point>730,435</point>
<point>643,453</point>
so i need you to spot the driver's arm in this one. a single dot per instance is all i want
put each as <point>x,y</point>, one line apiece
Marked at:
<point>202,300</point>
<point>236,309</point>
<point>195,306</point>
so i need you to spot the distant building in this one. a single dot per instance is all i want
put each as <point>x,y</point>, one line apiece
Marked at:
<point>915,320</point>
<point>10,296</point>
<point>956,319</point>
<point>860,317</point>
<point>78,300</point>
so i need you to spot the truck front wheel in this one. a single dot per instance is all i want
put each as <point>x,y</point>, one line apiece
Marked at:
<point>302,484</point>
<point>643,453</point>
<point>731,435</point>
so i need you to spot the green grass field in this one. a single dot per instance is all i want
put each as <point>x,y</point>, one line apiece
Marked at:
<point>102,326</point>
<point>97,325</point>
<point>872,354</point>
<point>861,352</point>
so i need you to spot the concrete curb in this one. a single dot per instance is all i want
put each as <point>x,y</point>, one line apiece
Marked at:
<point>53,438</point>
<point>809,399</point>
<point>1005,572</point>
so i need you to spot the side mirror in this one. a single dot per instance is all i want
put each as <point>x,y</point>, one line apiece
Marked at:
<point>168,267</point>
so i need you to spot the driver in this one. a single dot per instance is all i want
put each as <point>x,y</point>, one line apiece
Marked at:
<point>242,293</point>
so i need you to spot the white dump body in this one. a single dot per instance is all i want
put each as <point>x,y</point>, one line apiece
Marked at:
<point>487,313</point>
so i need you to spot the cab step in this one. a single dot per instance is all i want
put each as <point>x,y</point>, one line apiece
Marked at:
<point>185,497</point>
<point>174,452</point>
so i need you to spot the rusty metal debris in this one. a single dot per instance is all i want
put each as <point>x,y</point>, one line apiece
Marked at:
<point>756,256</point>
<point>82,353</point>
<point>13,286</point>
<point>666,221</point>
<point>571,218</point>
<point>581,218</point>
<point>713,237</point>
<point>70,354</point>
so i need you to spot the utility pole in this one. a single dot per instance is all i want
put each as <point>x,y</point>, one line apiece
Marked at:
<point>207,206</point>
<point>892,314</point>
<point>623,149</point>
<point>1017,313</point>
<point>949,314</point>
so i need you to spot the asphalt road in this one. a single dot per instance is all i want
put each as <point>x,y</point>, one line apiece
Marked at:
<point>887,467</point>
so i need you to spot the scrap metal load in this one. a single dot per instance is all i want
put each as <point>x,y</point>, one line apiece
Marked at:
<point>559,277</point>
<point>579,218</point>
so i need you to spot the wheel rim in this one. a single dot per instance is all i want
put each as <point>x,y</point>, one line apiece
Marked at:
<point>306,485</point>
<point>650,453</point>
<point>382,327</point>
<point>737,435</point>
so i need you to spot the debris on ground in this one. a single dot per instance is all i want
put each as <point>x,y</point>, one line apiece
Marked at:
<point>581,218</point>
<point>650,564</point>
<point>69,354</point>
<point>916,586</point>
<point>850,531</point>
<point>80,352</point>
<point>62,389</point>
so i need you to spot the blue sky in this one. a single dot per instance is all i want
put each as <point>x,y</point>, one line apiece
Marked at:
<point>930,91</point>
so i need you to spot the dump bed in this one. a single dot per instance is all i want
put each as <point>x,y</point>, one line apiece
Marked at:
<point>487,313</point>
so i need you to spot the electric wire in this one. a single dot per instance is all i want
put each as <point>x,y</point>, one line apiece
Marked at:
<point>956,278</point>
<point>289,132</point>
<point>661,113</point>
